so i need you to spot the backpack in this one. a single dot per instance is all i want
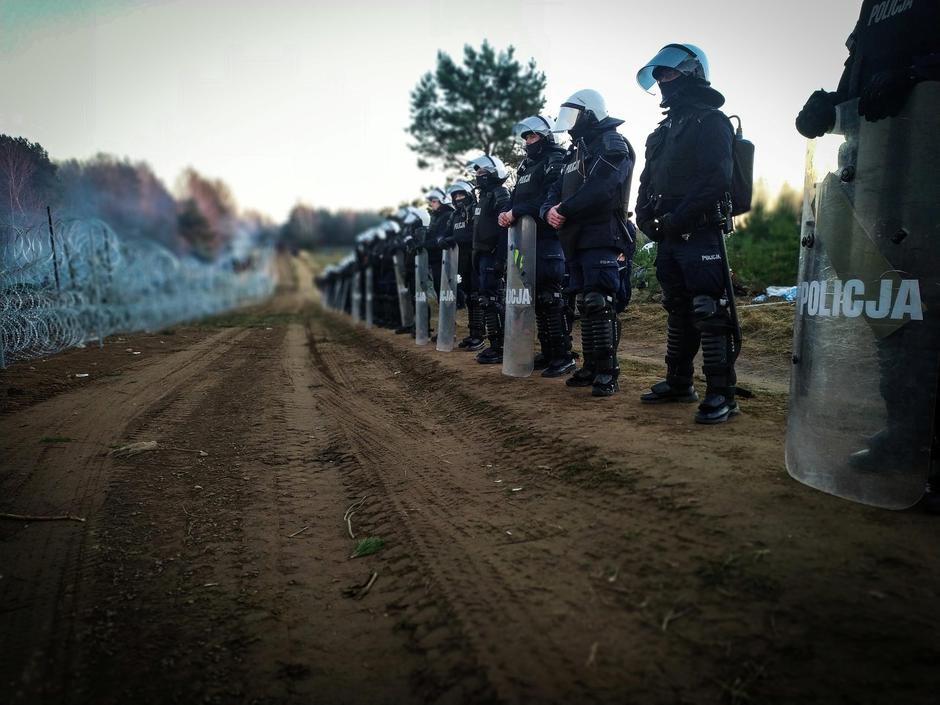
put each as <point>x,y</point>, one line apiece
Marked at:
<point>742,177</point>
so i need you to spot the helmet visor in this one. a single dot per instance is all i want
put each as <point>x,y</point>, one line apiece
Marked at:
<point>567,117</point>
<point>535,123</point>
<point>670,57</point>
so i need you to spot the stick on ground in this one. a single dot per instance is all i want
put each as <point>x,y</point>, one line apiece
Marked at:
<point>33,517</point>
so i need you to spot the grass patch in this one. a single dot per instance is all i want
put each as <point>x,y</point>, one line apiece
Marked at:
<point>366,547</point>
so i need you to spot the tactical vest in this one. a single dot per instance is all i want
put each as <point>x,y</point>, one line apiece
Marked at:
<point>486,230</point>
<point>531,186</point>
<point>461,224</point>
<point>572,179</point>
<point>670,167</point>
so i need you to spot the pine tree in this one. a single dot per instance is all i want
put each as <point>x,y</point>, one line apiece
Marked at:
<point>458,109</point>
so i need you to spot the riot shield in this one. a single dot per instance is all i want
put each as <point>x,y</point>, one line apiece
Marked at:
<point>866,345</point>
<point>343,295</point>
<point>370,298</point>
<point>447,307</point>
<point>519,336</point>
<point>405,304</point>
<point>422,310</point>
<point>357,296</point>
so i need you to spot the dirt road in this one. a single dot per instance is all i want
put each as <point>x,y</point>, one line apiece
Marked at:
<point>539,545</point>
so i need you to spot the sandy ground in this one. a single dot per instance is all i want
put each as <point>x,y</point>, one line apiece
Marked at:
<point>539,545</point>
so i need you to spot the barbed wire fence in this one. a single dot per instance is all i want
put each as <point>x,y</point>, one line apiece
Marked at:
<point>72,282</point>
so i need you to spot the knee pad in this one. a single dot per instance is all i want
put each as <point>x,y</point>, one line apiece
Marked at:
<point>711,315</point>
<point>595,303</point>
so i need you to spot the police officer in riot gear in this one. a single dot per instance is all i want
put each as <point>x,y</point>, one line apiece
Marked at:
<point>586,204</point>
<point>440,210</point>
<point>460,232</point>
<point>683,187</point>
<point>489,249</point>
<point>893,47</point>
<point>537,173</point>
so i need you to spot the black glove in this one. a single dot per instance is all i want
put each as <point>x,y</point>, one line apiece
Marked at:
<point>885,94</point>
<point>445,243</point>
<point>409,244</point>
<point>818,115</point>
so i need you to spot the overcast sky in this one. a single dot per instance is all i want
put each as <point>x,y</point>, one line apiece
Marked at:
<point>308,100</point>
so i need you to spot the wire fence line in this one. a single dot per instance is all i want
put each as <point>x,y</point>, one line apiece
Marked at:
<point>72,282</point>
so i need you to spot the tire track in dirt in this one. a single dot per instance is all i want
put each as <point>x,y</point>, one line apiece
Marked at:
<point>492,586</point>
<point>46,478</point>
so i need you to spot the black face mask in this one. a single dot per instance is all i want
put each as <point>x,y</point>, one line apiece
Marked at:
<point>535,149</point>
<point>484,181</point>
<point>676,87</point>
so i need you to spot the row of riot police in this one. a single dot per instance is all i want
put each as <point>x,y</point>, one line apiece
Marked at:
<point>560,243</point>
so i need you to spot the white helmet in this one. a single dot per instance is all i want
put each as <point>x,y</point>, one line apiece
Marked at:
<point>539,124</point>
<point>491,165</point>
<point>417,215</point>
<point>587,103</point>
<point>687,59</point>
<point>460,185</point>
<point>438,194</point>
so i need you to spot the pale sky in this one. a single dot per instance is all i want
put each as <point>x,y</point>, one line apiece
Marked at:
<point>304,100</point>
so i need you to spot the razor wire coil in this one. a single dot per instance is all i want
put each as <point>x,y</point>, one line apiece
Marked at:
<point>85,283</point>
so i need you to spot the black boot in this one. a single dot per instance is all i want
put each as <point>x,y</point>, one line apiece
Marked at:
<point>606,342</point>
<point>474,341</point>
<point>584,375</point>
<point>544,356</point>
<point>494,329</point>
<point>558,340</point>
<point>682,343</point>
<point>718,364</point>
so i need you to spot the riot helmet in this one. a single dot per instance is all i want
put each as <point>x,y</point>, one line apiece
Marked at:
<point>539,124</point>
<point>488,170</point>
<point>437,194</point>
<point>460,192</point>
<point>582,111</point>
<point>534,125</point>
<point>686,59</point>
<point>417,216</point>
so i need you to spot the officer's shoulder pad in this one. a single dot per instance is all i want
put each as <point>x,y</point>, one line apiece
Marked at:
<point>615,143</point>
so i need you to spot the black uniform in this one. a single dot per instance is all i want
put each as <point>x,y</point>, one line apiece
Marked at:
<point>895,44</point>
<point>591,194</point>
<point>489,255</point>
<point>688,173</point>
<point>460,232</point>
<point>437,232</point>
<point>536,175</point>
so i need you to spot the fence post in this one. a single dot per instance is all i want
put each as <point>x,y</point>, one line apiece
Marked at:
<point>94,277</point>
<point>55,259</point>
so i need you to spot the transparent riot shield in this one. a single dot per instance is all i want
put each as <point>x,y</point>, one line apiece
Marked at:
<point>447,306</point>
<point>519,336</point>
<point>343,295</point>
<point>370,298</point>
<point>866,346</point>
<point>405,304</point>
<point>357,296</point>
<point>422,310</point>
